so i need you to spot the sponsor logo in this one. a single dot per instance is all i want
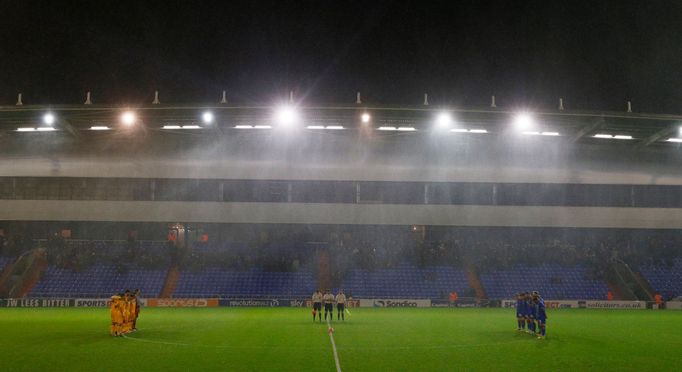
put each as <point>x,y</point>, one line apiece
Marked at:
<point>297,303</point>
<point>253,303</point>
<point>615,304</point>
<point>92,302</point>
<point>38,302</point>
<point>389,303</point>
<point>182,302</point>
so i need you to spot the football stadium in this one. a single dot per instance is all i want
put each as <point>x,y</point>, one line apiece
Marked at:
<point>197,236</point>
<point>340,185</point>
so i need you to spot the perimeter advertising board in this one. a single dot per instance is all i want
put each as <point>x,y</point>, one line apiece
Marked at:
<point>381,302</point>
<point>621,305</point>
<point>549,304</point>
<point>182,302</point>
<point>37,302</point>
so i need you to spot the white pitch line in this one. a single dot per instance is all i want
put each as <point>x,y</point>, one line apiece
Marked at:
<point>336,354</point>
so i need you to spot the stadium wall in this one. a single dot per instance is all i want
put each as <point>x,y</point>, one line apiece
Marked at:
<point>351,214</point>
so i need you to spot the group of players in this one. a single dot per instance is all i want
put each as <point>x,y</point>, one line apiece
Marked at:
<point>125,310</point>
<point>531,314</point>
<point>329,299</point>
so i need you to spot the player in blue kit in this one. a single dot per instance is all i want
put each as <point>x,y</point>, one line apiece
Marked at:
<point>541,314</point>
<point>520,311</point>
<point>530,313</point>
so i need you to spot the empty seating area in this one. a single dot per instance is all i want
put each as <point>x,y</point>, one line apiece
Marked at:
<point>406,281</point>
<point>214,282</point>
<point>4,261</point>
<point>98,281</point>
<point>552,281</point>
<point>666,280</point>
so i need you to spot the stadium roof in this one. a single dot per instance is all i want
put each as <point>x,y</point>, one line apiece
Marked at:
<point>636,129</point>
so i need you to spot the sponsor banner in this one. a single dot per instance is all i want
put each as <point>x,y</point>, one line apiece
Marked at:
<point>674,305</point>
<point>612,304</point>
<point>182,302</point>
<point>380,302</point>
<point>37,302</point>
<point>255,303</point>
<point>550,304</point>
<point>92,302</point>
<point>440,303</point>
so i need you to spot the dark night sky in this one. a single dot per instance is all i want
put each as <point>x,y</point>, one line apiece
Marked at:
<point>595,54</point>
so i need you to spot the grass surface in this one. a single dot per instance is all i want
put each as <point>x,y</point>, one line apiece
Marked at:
<point>370,340</point>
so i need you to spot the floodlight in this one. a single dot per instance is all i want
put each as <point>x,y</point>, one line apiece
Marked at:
<point>171,127</point>
<point>48,118</point>
<point>365,117</point>
<point>678,140</point>
<point>45,129</point>
<point>444,119</point>
<point>334,127</point>
<point>128,118</point>
<point>478,131</point>
<point>207,117</point>
<point>99,127</point>
<point>286,115</point>
<point>191,127</point>
<point>315,127</point>
<point>523,120</point>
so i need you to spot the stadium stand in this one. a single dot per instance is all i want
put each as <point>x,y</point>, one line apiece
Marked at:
<point>666,280</point>
<point>97,281</point>
<point>255,282</point>
<point>406,281</point>
<point>4,261</point>
<point>553,282</point>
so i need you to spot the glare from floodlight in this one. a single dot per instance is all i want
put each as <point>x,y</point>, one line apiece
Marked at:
<point>315,127</point>
<point>48,118</point>
<point>444,119</point>
<point>45,129</point>
<point>99,127</point>
<point>171,127</point>
<point>365,118</point>
<point>191,127</point>
<point>523,120</point>
<point>677,140</point>
<point>207,117</point>
<point>286,115</point>
<point>128,118</point>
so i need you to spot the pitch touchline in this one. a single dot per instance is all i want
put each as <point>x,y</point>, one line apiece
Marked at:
<point>330,330</point>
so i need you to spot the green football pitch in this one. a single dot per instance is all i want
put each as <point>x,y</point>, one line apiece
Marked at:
<point>276,339</point>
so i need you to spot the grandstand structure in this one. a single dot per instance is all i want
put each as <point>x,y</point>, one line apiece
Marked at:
<point>102,171</point>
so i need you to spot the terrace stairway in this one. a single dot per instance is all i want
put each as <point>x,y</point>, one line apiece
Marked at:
<point>475,283</point>
<point>171,282</point>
